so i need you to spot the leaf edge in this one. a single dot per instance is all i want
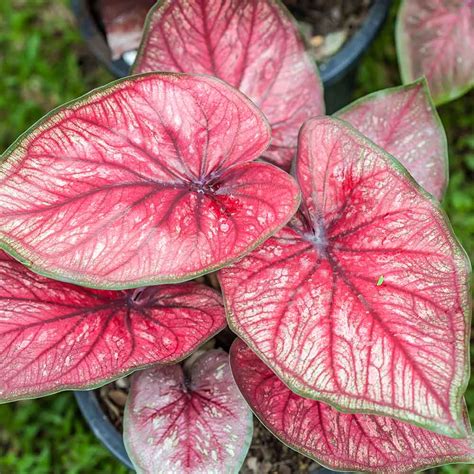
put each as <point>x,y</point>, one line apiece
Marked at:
<point>93,386</point>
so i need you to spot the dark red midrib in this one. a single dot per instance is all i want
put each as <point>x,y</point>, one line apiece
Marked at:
<point>354,229</point>
<point>110,220</point>
<point>129,327</point>
<point>172,423</point>
<point>87,311</point>
<point>80,196</point>
<point>189,176</point>
<point>414,366</point>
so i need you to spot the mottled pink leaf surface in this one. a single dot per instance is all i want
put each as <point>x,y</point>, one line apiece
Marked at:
<point>310,303</point>
<point>435,39</point>
<point>338,440</point>
<point>123,22</point>
<point>148,180</point>
<point>188,420</point>
<point>54,335</point>
<point>253,45</point>
<point>404,122</point>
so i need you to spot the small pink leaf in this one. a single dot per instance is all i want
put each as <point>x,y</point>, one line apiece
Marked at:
<point>309,304</point>
<point>340,441</point>
<point>404,122</point>
<point>123,22</point>
<point>146,181</point>
<point>253,45</point>
<point>435,39</point>
<point>188,420</point>
<point>55,336</point>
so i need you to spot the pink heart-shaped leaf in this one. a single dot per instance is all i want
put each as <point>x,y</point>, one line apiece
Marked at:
<point>187,419</point>
<point>435,39</point>
<point>363,301</point>
<point>253,45</point>
<point>404,122</point>
<point>148,180</point>
<point>338,440</point>
<point>56,336</point>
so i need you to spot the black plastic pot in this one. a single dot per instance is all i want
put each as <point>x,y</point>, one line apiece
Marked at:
<point>338,74</point>
<point>101,426</point>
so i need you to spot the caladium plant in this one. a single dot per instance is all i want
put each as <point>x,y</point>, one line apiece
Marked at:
<point>353,298</point>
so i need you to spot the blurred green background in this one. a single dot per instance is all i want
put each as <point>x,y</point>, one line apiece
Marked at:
<point>44,63</point>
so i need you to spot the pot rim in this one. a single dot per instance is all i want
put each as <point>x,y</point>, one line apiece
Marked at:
<point>331,71</point>
<point>101,426</point>
<point>342,62</point>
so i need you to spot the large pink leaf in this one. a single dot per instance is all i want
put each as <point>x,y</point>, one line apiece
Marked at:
<point>404,122</point>
<point>435,39</point>
<point>340,441</point>
<point>363,301</point>
<point>145,181</point>
<point>253,45</point>
<point>188,421</point>
<point>54,335</point>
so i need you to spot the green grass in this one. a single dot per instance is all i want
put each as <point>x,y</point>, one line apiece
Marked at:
<point>43,63</point>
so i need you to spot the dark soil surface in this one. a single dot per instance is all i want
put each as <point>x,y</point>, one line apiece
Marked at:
<point>327,16</point>
<point>328,24</point>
